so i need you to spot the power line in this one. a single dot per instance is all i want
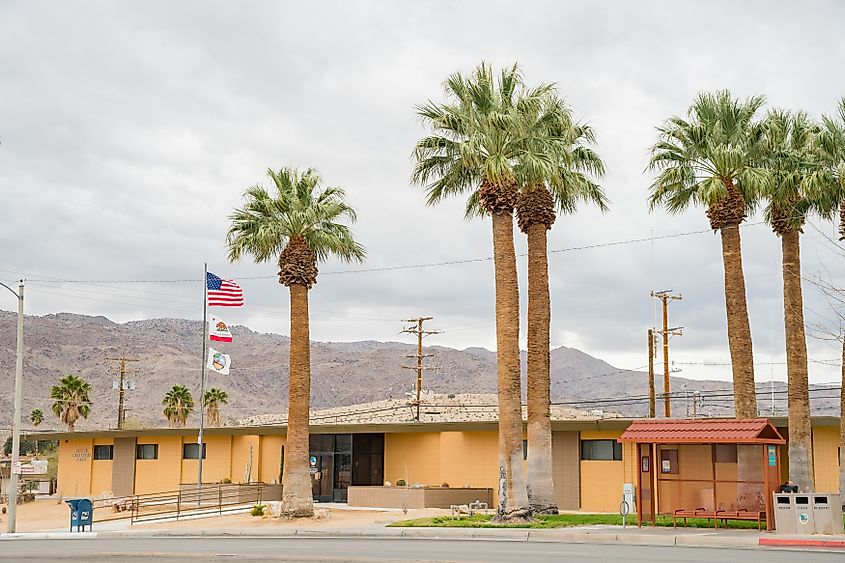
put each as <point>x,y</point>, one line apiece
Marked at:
<point>54,279</point>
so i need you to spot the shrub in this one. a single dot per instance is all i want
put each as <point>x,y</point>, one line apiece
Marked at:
<point>445,485</point>
<point>258,510</point>
<point>225,481</point>
<point>400,482</point>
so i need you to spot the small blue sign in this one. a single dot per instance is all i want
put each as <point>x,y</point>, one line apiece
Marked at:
<point>773,456</point>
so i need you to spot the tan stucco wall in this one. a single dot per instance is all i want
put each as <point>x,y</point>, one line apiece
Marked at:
<point>217,464</point>
<point>164,473</point>
<point>101,471</point>
<point>601,481</point>
<point>240,458</point>
<point>270,458</point>
<point>825,460</point>
<point>74,472</point>
<point>413,457</point>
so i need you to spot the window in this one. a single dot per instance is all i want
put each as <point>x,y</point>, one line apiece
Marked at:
<point>191,451</point>
<point>601,450</point>
<point>725,453</point>
<point>525,449</point>
<point>103,452</point>
<point>146,451</point>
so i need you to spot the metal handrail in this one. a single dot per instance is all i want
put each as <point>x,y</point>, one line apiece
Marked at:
<point>229,497</point>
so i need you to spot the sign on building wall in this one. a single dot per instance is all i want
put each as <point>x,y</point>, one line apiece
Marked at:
<point>82,454</point>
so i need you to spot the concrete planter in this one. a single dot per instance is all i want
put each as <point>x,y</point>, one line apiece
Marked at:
<point>399,497</point>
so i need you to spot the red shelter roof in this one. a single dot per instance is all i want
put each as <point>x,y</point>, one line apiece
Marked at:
<point>703,431</point>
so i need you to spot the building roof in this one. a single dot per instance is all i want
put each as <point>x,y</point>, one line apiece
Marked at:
<point>434,408</point>
<point>703,431</point>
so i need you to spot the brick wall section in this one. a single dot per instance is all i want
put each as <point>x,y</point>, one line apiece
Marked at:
<point>566,470</point>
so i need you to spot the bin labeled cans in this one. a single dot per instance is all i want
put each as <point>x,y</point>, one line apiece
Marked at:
<point>803,514</point>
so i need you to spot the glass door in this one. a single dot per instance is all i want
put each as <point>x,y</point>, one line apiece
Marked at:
<point>322,473</point>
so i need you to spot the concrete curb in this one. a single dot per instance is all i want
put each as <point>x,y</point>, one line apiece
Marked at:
<point>801,542</point>
<point>466,534</point>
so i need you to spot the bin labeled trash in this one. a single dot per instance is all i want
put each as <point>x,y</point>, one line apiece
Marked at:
<point>81,514</point>
<point>803,514</point>
<point>827,513</point>
<point>784,508</point>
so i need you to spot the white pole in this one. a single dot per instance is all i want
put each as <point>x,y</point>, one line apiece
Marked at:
<point>202,380</point>
<point>16,423</point>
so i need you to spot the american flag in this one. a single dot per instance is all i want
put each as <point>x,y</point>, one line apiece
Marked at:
<point>223,293</point>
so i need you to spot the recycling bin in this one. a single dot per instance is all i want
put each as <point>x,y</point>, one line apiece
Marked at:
<point>803,514</point>
<point>81,514</point>
<point>827,513</point>
<point>784,508</point>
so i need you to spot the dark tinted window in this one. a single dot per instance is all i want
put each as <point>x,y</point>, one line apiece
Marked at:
<point>601,450</point>
<point>104,452</point>
<point>191,451</point>
<point>146,451</point>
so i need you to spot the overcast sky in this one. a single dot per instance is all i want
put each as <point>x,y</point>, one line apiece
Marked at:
<point>130,130</point>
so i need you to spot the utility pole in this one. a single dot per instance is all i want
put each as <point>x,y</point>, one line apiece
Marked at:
<point>417,328</point>
<point>665,296</point>
<point>121,411</point>
<point>16,421</point>
<point>651,406</point>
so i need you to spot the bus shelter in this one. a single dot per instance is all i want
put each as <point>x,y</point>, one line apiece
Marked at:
<point>705,466</point>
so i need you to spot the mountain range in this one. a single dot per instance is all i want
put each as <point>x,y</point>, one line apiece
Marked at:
<point>343,373</point>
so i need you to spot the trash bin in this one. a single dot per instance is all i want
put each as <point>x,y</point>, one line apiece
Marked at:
<point>827,513</point>
<point>81,514</point>
<point>784,508</point>
<point>803,514</point>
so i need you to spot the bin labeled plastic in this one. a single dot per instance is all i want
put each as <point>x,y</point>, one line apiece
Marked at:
<point>784,509</point>
<point>827,513</point>
<point>81,514</point>
<point>803,514</point>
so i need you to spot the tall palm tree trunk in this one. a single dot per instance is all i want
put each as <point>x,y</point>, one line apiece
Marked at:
<point>739,330</point>
<point>513,496</point>
<point>297,500</point>
<point>842,430</point>
<point>541,493</point>
<point>800,428</point>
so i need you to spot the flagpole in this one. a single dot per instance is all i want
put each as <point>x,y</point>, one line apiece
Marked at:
<point>202,380</point>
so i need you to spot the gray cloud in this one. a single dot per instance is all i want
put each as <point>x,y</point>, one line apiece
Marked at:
<point>129,131</point>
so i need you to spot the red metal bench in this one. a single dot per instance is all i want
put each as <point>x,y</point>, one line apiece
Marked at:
<point>723,515</point>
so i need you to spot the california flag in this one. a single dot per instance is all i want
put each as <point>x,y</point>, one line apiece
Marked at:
<point>218,330</point>
<point>218,361</point>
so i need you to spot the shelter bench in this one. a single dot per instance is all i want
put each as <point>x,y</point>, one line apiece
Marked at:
<point>723,515</point>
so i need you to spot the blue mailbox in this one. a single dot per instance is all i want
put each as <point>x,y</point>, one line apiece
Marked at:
<point>81,514</point>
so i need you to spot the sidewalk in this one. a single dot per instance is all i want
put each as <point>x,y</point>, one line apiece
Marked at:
<point>748,539</point>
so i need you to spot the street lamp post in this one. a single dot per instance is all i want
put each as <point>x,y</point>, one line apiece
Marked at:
<point>16,423</point>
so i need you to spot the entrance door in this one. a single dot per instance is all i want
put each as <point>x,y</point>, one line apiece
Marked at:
<point>322,473</point>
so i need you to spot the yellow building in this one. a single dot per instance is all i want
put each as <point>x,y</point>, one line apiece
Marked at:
<point>590,466</point>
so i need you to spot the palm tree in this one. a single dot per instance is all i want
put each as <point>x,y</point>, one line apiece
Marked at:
<point>478,145</point>
<point>36,418</point>
<point>831,152</point>
<point>557,140</point>
<point>789,143</point>
<point>296,225</point>
<point>212,400</point>
<point>71,399</point>
<point>711,159</point>
<point>178,405</point>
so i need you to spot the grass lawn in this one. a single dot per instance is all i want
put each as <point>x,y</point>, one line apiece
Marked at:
<point>558,521</point>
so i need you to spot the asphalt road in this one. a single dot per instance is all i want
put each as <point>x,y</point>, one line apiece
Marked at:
<point>180,550</point>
